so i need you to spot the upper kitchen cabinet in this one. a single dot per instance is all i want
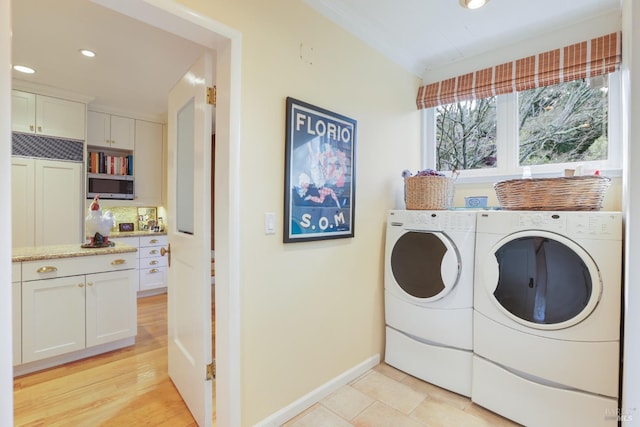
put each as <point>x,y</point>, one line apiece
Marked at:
<point>46,115</point>
<point>110,131</point>
<point>148,168</point>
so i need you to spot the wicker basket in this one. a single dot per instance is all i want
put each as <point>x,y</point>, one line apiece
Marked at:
<point>576,193</point>
<point>429,192</point>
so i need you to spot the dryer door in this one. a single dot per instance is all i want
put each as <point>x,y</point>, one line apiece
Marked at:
<point>542,280</point>
<point>425,265</point>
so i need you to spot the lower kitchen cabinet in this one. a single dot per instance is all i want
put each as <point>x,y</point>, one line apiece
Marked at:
<point>52,317</point>
<point>152,265</point>
<point>77,303</point>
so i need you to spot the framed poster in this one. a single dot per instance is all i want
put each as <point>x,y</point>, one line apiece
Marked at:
<point>320,174</point>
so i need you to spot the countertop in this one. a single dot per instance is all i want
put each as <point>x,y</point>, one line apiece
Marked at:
<point>65,251</point>
<point>116,234</point>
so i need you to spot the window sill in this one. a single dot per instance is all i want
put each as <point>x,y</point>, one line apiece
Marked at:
<point>471,178</point>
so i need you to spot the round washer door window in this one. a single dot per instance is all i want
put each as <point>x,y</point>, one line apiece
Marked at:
<point>545,281</point>
<point>425,265</point>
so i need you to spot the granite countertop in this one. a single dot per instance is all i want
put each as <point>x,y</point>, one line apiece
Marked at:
<point>115,234</point>
<point>65,251</point>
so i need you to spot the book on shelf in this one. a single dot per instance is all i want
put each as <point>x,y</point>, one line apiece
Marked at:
<point>100,162</point>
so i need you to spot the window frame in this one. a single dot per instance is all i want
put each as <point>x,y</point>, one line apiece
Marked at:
<point>507,166</point>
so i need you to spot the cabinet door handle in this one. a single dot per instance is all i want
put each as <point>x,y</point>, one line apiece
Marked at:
<point>80,285</point>
<point>118,261</point>
<point>153,241</point>
<point>89,283</point>
<point>31,127</point>
<point>154,270</point>
<point>39,128</point>
<point>47,269</point>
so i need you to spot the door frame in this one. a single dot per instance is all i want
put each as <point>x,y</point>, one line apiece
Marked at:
<point>226,43</point>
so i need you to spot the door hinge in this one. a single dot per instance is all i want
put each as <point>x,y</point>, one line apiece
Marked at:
<point>211,96</point>
<point>211,371</point>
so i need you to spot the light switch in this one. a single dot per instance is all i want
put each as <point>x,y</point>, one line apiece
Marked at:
<point>269,223</point>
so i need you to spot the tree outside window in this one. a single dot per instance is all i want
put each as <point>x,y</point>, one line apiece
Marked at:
<point>563,123</point>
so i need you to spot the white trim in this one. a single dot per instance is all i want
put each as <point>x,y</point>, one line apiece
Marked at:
<point>6,342</point>
<point>227,43</point>
<point>315,396</point>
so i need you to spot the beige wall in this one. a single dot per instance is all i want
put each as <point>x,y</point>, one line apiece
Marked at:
<point>311,311</point>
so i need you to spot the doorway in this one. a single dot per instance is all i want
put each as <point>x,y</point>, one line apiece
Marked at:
<point>226,42</point>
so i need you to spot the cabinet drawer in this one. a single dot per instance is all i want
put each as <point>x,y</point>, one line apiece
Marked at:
<point>49,269</point>
<point>151,251</point>
<point>152,262</point>
<point>154,240</point>
<point>131,241</point>
<point>16,271</point>
<point>151,278</point>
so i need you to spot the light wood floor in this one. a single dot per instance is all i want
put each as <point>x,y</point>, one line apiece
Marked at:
<point>127,387</point>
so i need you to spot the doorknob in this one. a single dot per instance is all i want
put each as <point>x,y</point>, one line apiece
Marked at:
<point>164,252</point>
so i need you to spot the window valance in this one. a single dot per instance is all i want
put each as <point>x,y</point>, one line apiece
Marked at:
<point>598,56</point>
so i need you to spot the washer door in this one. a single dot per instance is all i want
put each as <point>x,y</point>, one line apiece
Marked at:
<point>425,265</point>
<point>542,280</point>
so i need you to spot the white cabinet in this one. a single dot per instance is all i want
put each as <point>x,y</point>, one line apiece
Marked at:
<point>16,306</point>
<point>152,264</point>
<point>110,131</point>
<point>52,317</point>
<point>47,203</point>
<point>110,306</point>
<point>64,311</point>
<point>148,163</point>
<point>46,115</point>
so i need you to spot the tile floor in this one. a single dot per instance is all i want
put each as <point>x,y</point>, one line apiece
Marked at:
<point>387,397</point>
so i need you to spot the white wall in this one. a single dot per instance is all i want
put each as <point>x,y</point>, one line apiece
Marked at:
<point>6,363</point>
<point>311,311</point>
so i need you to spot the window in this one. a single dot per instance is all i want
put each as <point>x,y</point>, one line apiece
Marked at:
<point>547,129</point>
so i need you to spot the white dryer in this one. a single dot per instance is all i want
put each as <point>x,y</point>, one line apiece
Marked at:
<point>429,295</point>
<point>547,316</point>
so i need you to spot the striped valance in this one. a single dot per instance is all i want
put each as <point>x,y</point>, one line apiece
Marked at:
<point>599,56</point>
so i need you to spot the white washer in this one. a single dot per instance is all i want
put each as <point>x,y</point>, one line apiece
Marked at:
<point>547,316</point>
<point>429,295</point>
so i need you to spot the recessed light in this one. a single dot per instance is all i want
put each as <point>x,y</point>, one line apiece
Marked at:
<point>473,4</point>
<point>88,53</point>
<point>24,69</point>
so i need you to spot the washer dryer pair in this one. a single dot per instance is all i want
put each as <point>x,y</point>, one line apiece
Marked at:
<point>429,260</point>
<point>547,306</point>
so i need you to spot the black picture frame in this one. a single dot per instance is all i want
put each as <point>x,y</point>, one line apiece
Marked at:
<point>320,174</point>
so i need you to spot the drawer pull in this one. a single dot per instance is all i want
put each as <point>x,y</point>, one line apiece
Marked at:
<point>154,270</point>
<point>154,262</point>
<point>153,241</point>
<point>119,261</point>
<point>153,252</point>
<point>47,269</point>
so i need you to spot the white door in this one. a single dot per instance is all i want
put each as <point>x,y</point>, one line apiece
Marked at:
<point>189,234</point>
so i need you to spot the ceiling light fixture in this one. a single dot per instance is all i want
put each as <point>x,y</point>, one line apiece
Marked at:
<point>88,53</point>
<point>24,69</point>
<point>473,4</point>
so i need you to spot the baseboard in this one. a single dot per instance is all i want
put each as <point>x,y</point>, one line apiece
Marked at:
<point>39,365</point>
<point>315,396</point>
